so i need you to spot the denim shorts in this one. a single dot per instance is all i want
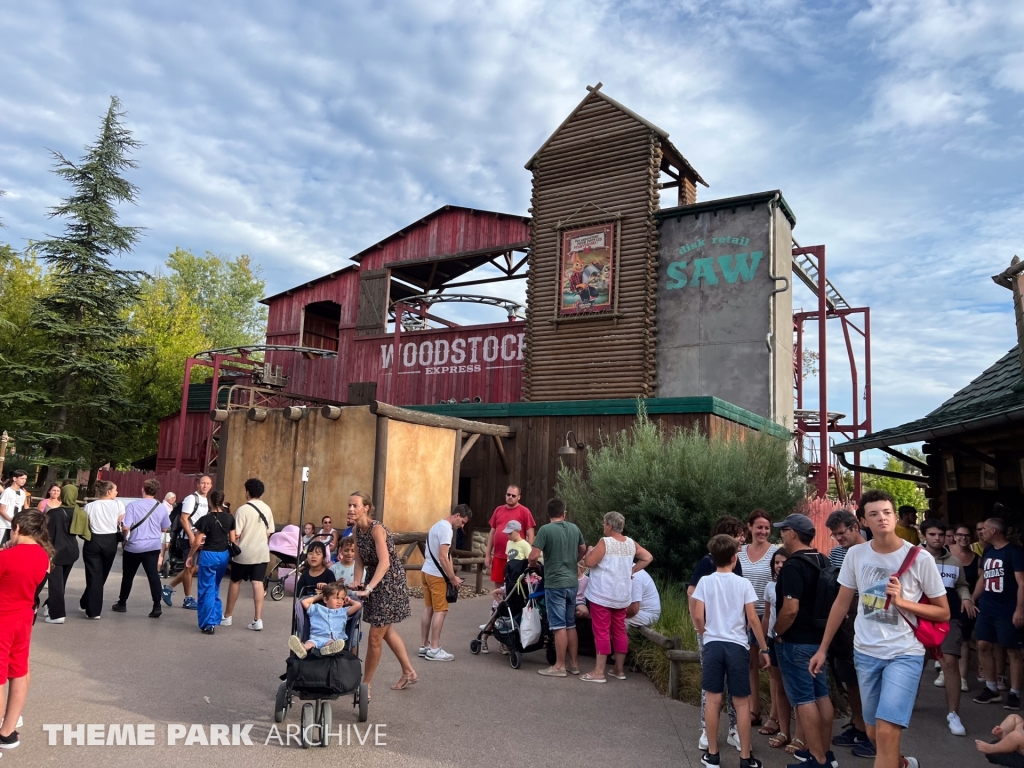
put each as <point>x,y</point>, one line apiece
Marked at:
<point>801,688</point>
<point>561,608</point>
<point>723,662</point>
<point>888,687</point>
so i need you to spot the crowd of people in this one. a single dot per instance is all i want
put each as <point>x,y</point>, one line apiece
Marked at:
<point>891,594</point>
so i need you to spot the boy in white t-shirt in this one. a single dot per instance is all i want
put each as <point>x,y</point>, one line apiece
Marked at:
<point>719,619</point>
<point>886,653</point>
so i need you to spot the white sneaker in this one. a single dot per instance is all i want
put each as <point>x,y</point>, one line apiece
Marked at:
<point>439,655</point>
<point>938,666</point>
<point>256,626</point>
<point>963,685</point>
<point>423,651</point>
<point>46,610</point>
<point>703,743</point>
<point>912,762</point>
<point>734,739</point>
<point>225,621</point>
<point>940,681</point>
<point>48,620</point>
<point>955,726</point>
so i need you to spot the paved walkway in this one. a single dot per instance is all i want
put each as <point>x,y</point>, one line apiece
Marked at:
<point>476,711</point>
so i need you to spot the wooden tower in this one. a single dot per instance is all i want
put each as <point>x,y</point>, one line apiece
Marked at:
<point>591,291</point>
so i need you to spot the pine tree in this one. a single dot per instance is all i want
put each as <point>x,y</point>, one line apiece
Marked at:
<point>72,400</point>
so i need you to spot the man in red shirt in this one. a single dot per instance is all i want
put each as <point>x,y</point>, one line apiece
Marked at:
<point>497,540</point>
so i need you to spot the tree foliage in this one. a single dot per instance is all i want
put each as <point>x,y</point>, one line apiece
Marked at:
<point>72,399</point>
<point>672,487</point>
<point>903,491</point>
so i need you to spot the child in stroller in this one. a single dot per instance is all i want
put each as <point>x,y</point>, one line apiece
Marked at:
<point>328,614</point>
<point>524,585</point>
<point>320,679</point>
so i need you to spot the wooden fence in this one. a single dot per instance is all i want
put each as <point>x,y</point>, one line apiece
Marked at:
<point>129,484</point>
<point>676,657</point>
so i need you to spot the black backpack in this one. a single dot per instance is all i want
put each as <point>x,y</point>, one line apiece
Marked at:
<point>827,588</point>
<point>177,529</point>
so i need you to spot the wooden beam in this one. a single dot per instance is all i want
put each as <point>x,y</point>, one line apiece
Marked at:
<point>501,454</point>
<point>519,264</point>
<point>460,452</point>
<point>433,272</point>
<point>435,420</point>
<point>468,445</point>
<point>380,464</point>
<point>483,281</point>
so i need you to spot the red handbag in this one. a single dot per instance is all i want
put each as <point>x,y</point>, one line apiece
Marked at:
<point>929,633</point>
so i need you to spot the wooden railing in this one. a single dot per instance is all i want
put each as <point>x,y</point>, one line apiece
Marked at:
<point>471,561</point>
<point>676,657</point>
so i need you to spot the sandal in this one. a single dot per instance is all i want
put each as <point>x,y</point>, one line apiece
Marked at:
<point>368,697</point>
<point>405,681</point>
<point>778,741</point>
<point>755,720</point>
<point>588,678</point>
<point>796,745</point>
<point>770,730</point>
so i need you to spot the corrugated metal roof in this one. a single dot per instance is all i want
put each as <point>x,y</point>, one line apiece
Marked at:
<point>991,399</point>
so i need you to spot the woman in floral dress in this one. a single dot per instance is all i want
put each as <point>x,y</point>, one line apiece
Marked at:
<point>385,595</point>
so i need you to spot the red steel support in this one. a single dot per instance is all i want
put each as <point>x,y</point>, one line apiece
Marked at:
<point>184,409</point>
<point>823,452</point>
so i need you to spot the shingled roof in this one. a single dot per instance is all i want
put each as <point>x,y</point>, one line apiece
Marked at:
<point>995,397</point>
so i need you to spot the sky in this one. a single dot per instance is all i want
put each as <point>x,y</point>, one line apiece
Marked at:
<point>301,133</point>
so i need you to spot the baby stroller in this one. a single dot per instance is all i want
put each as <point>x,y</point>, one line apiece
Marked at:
<point>319,680</point>
<point>285,546</point>
<point>504,622</point>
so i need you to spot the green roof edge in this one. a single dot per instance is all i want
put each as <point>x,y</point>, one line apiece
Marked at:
<point>608,407</point>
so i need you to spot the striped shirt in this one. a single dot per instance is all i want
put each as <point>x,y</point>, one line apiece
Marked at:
<point>835,557</point>
<point>758,574</point>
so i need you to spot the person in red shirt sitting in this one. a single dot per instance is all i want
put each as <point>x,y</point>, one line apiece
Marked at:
<point>497,540</point>
<point>23,566</point>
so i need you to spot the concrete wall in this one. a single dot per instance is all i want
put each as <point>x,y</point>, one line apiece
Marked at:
<point>722,329</point>
<point>339,454</point>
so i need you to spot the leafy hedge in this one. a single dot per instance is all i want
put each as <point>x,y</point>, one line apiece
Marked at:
<point>672,487</point>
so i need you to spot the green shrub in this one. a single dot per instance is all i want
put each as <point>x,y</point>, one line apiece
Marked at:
<point>672,487</point>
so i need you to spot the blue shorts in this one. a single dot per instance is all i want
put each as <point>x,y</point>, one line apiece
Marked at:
<point>888,687</point>
<point>561,608</point>
<point>801,688</point>
<point>725,662</point>
<point>999,630</point>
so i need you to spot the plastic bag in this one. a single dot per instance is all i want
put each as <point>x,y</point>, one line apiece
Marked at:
<point>529,625</point>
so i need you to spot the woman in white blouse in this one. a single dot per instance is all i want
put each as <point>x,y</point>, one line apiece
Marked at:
<point>756,561</point>
<point>99,551</point>
<point>610,591</point>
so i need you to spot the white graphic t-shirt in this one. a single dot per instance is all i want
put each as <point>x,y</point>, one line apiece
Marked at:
<point>880,631</point>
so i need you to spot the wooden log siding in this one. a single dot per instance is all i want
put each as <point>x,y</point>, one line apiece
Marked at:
<point>606,163</point>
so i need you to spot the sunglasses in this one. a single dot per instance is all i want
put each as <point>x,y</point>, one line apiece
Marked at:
<point>511,495</point>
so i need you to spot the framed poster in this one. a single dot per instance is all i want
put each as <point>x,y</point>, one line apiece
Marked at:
<point>949,467</point>
<point>587,264</point>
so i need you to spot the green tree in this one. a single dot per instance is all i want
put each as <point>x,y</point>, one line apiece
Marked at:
<point>903,491</point>
<point>72,399</point>
<point>672,487</point>
<point>225,290</point>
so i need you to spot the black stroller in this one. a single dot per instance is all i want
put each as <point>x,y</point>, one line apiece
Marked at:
<point>319,680</point>
<point>504,622</point>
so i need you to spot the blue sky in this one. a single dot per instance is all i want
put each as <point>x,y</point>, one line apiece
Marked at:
<point>301,133</point>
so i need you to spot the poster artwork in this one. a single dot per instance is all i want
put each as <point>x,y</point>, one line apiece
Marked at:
<point>587,265</point>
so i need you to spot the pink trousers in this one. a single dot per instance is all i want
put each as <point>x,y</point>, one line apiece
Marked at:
<point>609,629</point>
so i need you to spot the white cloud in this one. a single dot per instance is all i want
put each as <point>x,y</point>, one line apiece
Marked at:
<point>303,134</point>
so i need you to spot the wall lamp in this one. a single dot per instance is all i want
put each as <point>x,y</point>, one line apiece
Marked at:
<point>568,449</point>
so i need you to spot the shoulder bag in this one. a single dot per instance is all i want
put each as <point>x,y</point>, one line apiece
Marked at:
<point>262,517</point>
<point>451,592</point>
<point>233,549</point>
<point>136,525</point>
<point>929,633</point>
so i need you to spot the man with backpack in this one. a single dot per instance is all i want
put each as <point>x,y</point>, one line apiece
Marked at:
<point>183,520</point>
<point>254,524</point>
<point>890,578</point>
<point>803,591</point>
